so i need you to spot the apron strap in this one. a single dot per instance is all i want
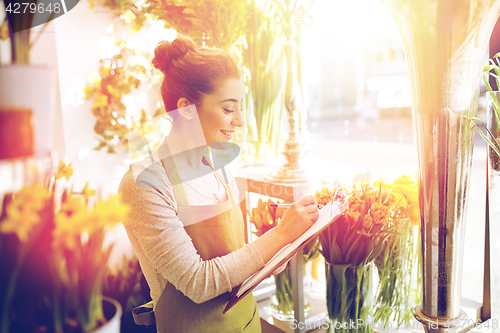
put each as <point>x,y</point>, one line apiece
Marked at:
<point>216,166</point>
<point>171,171</point>
<point>144,314</point>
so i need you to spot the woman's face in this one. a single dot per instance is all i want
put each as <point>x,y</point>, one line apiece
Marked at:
<point>220,112</point>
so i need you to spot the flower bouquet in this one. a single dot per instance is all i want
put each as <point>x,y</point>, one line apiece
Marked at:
<point>52,257</point>
<point>264,217</point>
<point>349,246</point>
<point>398,262</point>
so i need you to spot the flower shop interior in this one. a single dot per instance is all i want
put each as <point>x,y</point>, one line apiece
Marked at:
<point>384,107</point>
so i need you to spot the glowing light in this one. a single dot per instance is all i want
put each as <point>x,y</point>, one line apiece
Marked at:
<point>82,153</point>
<point>107,47</point>
<point>74,97</point>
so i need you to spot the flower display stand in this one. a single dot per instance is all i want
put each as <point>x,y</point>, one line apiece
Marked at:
<point>248,183</point>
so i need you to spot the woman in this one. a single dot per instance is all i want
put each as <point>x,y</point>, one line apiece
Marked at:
<point>186,226</point>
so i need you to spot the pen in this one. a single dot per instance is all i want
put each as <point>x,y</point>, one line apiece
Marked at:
<point>287,205</point>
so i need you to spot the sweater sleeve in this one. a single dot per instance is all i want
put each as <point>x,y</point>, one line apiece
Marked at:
<point>162,238</point>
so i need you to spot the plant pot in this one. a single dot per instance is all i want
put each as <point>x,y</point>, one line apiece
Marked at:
<point>26,110</point>
<point>349,298</point>
<point>493,198</point>
<point>113,313</point>
<point>282,300</point>
<point>445,45</point>
<point>396,270</point>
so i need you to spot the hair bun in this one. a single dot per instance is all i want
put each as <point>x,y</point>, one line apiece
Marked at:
<point>167,52</point>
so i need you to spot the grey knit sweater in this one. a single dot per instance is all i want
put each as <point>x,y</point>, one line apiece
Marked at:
<point>165,251</point>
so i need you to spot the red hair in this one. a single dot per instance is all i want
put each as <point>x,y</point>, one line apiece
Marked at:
<point>191,71</point>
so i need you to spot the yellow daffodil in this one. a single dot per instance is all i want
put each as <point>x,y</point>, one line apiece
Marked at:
<point>72,205</point>
<point>399,198</point>
<point>74,219</point>
<point>112,211</point>
<point>65,233</point>
<point>24,212</point>
<point>404,180</point>
<point>86,192</point>
<point>64,171</point>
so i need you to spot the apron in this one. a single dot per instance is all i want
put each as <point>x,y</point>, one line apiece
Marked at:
<point>216,236</point>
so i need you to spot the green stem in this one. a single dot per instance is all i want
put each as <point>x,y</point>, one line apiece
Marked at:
<point>9,293</point>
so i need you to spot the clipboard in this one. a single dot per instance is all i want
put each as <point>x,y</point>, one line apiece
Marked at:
<point>327,215</point>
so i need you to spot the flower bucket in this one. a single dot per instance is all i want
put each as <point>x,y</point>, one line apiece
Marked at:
<point>445,44</point>
<point>349,297</point>
<point>282,300</point>
<point>26,110</point>
<point>112,312</point>
<point>396,269</point>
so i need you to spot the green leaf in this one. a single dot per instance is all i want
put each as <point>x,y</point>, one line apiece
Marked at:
<point>339,273</point>
<point>488,68</point>
<point>354,245</point>
<point>493,144</point>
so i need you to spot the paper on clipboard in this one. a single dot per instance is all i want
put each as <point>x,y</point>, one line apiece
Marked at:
<point>328,214</point>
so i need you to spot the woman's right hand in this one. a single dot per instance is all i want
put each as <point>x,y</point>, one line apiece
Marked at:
<point>299,217</point>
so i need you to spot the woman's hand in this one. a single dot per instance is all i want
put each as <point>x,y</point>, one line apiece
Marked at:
<point>297,219</point>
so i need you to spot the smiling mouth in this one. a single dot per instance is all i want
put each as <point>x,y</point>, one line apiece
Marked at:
<point>227,133</point>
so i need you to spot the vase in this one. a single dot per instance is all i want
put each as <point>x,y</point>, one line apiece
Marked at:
<point>493,195</point>
<point>26,110</point>
<point>396,274</point>
<point>349,298</point>
<point>445,44</point>
<point>493,123</point>
<point>282,300</point>
<point>112,312</point>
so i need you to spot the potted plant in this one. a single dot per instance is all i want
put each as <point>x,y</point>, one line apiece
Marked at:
<point>53,258</point>
<point>25,89</point>
<point>127,285</point>
<point>349,247</point>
